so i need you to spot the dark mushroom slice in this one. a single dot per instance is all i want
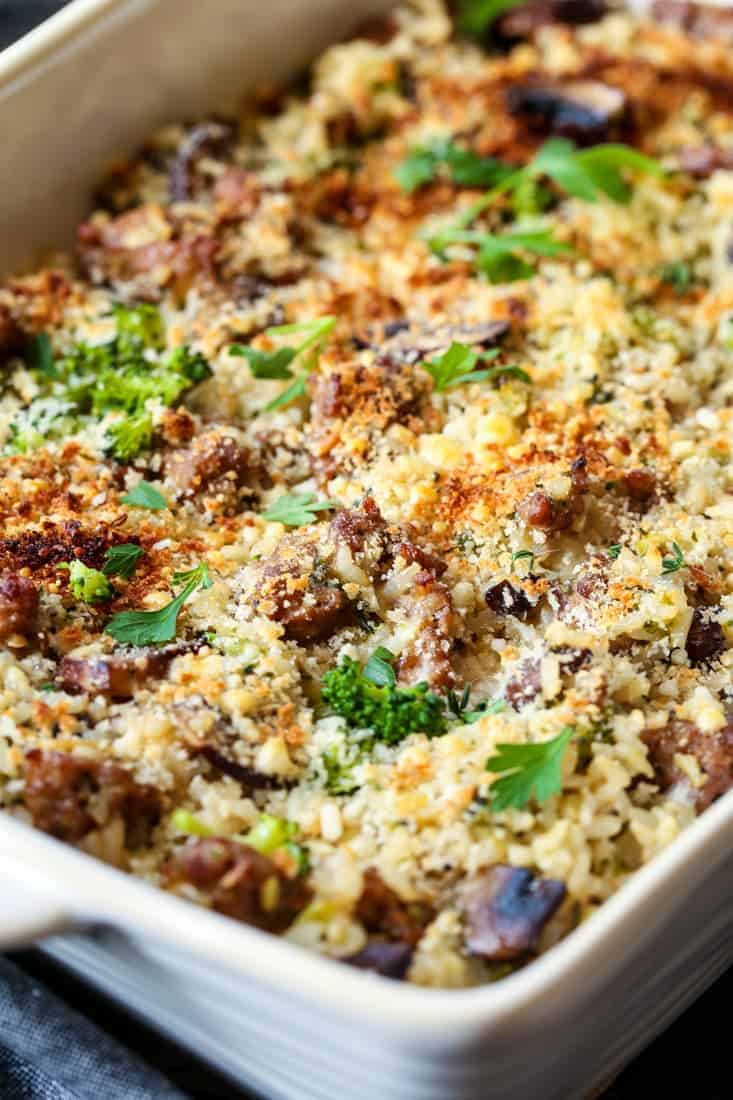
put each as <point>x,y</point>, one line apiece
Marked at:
<point>504,599</point>
<point>506,909</point>
<point>250,778</point>
<point>207,139</point>
<point>522,21</point>
<point>703,20</point>
<point>409,345</point>
<point>701,161</point>
<point>391,960</point>
<point>586,111</point>
<point>705,638</point>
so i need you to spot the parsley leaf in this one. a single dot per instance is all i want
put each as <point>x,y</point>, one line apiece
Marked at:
<point>296,509</point>
<point>457,366</point>
<point>458,706</point>
<point>613,550</point>
<point>87,585</point>
<point>463,167</point>
<point>588,173</point>
<point>290,393</point>
<point>266,364</point>
<point>121,560</point>
<point>379,669</point>
<point>149,627</point>
<point>675,563</point>
<point>677,275</point>
<point>39,355</point>
<point>145,495</point>
<point>276,364</point>
<point>527,770</point>
<point>583,173</point>
<point>476,16</point>
<point>525,555</point>
<point>500,257</point>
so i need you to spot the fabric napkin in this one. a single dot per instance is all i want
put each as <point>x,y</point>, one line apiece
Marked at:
<point>50,1052</point>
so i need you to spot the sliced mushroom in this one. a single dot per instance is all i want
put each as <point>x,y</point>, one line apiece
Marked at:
<point>585,110</point>
<point>506,910</point>
<point>391,960</point>
<point>207,139</point>
<point>410,345</point>
<point>524,20</point>
<point>248,777</point>
<point>704,20</point>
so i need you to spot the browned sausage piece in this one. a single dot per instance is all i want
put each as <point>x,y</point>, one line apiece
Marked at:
<point>525,685</point>
<point>120,674</point>
<point>540,510</point>
<point>241,882</point>
<point>714,753</point>
<point>18,606</point>
<point>214,465</point>
<point>640,484</point>
<point>506,909</point>
<point>69,796</point>
<point>384,913</point>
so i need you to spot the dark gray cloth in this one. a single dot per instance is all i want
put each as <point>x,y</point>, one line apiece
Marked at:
<point>49,1052</point>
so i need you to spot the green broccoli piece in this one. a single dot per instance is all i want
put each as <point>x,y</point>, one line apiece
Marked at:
<point>88,585</point>
<point>119,376</point>
<point>390,712</point>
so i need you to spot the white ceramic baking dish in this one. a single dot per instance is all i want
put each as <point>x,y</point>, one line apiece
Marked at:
<point>94,81</point>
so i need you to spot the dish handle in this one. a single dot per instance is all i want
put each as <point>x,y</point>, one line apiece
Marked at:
<point>27,915</point>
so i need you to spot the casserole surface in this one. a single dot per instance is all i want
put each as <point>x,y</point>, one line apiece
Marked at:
<point>592,466</point>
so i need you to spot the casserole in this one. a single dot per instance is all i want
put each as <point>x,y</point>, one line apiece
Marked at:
<point>464,1074</point>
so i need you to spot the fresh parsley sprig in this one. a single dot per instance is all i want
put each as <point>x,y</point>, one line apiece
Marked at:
<point>581,173</point>
<point>476,16</point>
<point>297,509</point>
<point>526,771</point>
<point>149,627</point>
<point>145,495</point>
<point>424,163</point>
<point>276,364</point>
<point>458,706</point>
<point>121,560</point>
<point>500,256</point>
<point>457,366</point>
<point>379,668</point>
<point>674,563</point>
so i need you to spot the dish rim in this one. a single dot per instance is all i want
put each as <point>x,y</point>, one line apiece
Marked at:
<point>446,1016</point>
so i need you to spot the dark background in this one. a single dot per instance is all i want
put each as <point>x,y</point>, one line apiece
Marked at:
<point>692,1059</point>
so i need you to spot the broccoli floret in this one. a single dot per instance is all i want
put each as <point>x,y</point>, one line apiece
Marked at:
<point>120,376</point>
<point>88,585</point>
<point>391,712</point>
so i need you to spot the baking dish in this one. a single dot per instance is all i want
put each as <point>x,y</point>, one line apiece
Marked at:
<point>555,1030</point>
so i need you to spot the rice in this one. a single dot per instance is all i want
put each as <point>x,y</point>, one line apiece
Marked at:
<point>612,616</point>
